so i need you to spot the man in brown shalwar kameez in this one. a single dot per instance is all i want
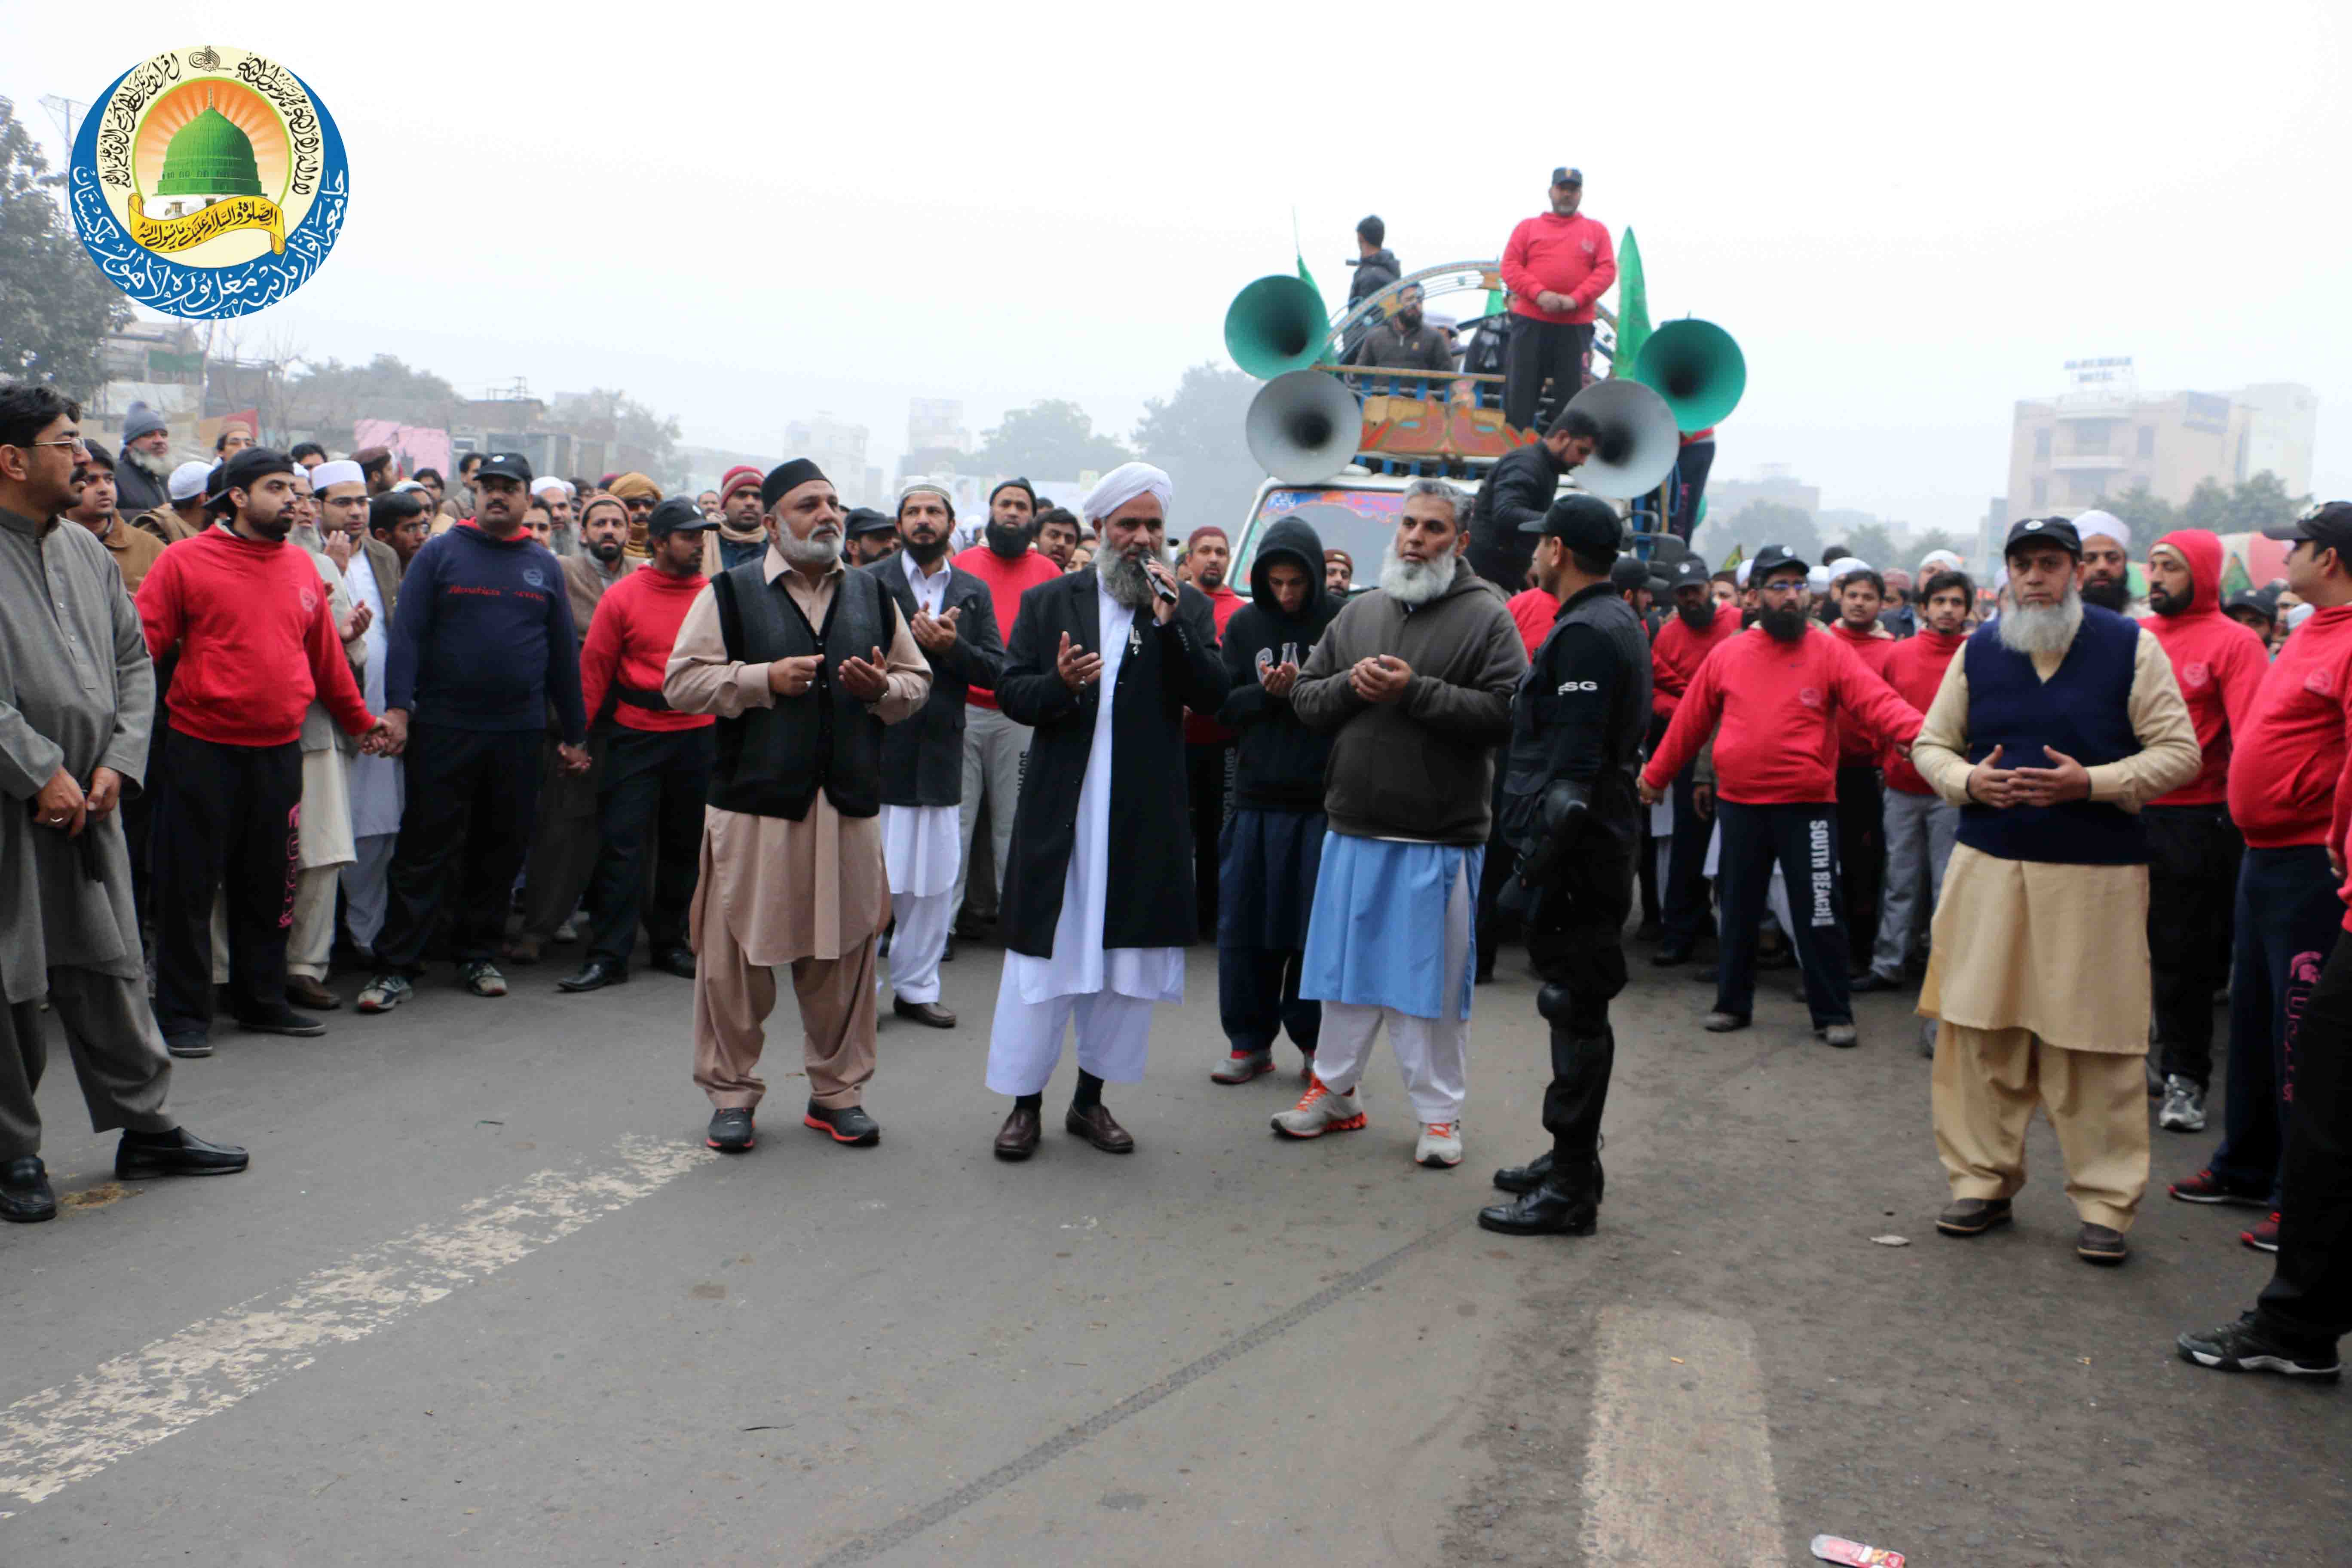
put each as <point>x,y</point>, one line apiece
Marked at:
<point>788,651</point>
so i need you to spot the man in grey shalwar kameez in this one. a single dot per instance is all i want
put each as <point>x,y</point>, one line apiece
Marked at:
<point>77,697</point>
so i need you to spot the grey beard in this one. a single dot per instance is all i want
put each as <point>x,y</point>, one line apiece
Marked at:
<point>149,463</point>
<point>810,551</point>
<point>1414,583</point>
<point>1124,580</point>
<point>2039,629</point>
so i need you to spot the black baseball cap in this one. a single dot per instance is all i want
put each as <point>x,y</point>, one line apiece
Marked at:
<point>1690,571</point>
<point>2327,524</point>
<point>511,464</point>
<point>1566,175</point>
<point>865,520</point>
<point>2054,530</point>
<point>1583,522</point>
<point>2262,601</point>
<point>1773,558</point>
<point>675,515</point>
<point>1631,572</point>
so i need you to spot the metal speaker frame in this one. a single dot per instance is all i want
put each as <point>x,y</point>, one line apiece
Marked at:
<point>1276,325</point>
<point>1303,427</point>
<point>1638,442</point>
<point>1698,368</point>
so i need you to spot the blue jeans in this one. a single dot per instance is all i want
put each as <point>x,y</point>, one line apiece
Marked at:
<point>2288,918</point>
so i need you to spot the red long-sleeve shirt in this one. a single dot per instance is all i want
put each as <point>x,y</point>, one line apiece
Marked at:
<point>1569,256</point>
<point>1856,747</point>
<point>1916,669</point>
<point>1201,729</point>
<point>629,640</point>
<point>1677,651</point>
<point>2287,752</point>
<point>1007,581</point>
<point>2218,663</point>
<point>1533,612</point>
<point>1780,705</point>
<point>256,637</point>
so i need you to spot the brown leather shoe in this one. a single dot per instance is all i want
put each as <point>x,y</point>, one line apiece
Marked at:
<point>928,1014</point>
<point>2102,1245</point>
<point>1095,1126</point>
<point>1972,1216</point>
<point>1017,1140</point>
<point>304,991</point>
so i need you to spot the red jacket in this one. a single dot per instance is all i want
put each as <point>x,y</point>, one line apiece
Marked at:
<point>1780,705</point>
<point>1007,581</point>
<point>2218,663</point>
<point>1199,728</point>
<point>1533,612</point>
<point>1676,652</point>
<point>1856,747</point>
<point>256,637</point>
<point>629,639</point>
<point>1916,669</point>
<point>1569,256</point>
<point>2287,750</point>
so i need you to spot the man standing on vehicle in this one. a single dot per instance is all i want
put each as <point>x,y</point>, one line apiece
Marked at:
<point>1517,493</point>
<point>1556,265</point>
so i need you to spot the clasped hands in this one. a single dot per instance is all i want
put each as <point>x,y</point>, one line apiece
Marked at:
<point>868,680</point>
<point>1989,784</point>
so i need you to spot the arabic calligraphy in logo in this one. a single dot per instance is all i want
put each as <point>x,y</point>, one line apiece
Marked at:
<point>208,182</point>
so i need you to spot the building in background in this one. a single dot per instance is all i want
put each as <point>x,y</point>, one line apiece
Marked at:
<point>1773,482</point>
<point>839,448</point>
<point>936,423</point>
<point>2105,438</point>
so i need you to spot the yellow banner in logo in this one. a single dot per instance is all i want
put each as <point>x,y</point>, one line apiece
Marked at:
<point>165,236</point>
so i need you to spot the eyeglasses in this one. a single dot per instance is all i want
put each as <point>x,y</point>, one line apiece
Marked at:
<point>73,441</point>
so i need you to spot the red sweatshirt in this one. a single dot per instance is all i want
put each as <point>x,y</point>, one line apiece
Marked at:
<point>1916,669</point>
<point>1533,612</point>
<point>629,639</point>
<point>2287,750</point>
<point>1200,728</point>
<point>2218,663</point>
<point>1007,581</point>
<point>1569,256</point>
<point>1676,652</point>
<point>256,637</point>
<point>1780,705</point>
<point>1856,747</point>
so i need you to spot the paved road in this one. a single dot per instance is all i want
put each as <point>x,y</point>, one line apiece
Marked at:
<point>485,1298</point>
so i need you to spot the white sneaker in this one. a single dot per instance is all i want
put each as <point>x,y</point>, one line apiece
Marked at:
<point>1320,1110</point>
<point>1441,1145</point>
<point>2184,1106</point>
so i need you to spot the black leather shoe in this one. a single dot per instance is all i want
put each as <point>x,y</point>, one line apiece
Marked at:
<point>848,1125</point>
<point>1972,1216</point>
<point>2101,1245</point>
<point>179,1153</point>
<point>930,1014</point>
<point>594,975</point>
<point>1524,1178</point>
<point>1096,1125</point>
<point>189,1045</point>
<point>677,960</point>
<point>1547,1211</point>
<point>26,1196</point>
<point>1017,1139</point>
<point>1670,954</point>
<point>730,1129</point>
<point>282,1020</point>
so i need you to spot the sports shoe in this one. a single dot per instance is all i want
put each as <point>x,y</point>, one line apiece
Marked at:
<point>482,978</point>
<point>2243,1346</point>
<point>844,1124</point>
<point>2263,1237</point>
<point>1842,1035</point>
<point>2184,1105</point>
<point>730,1129</point>
<point>1722,1022</point>
<point>1440,1148</point>
<point>384,992</point>
<point>1242,1065</point>
<point>1318,1111</point>
<point>2205,1187</point>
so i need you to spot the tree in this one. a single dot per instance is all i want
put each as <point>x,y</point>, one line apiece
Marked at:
<point>632,425</point>
<point>1757,524</point>
<point>1196,435</point>
<point>1053,439</point>
<point>2150,517</point>
<point>334,396</point>
<point>2263,502</point>
<point>1933,539</point>
<point>55,307</point>
<point>2207,506</point>
<point>1873,543</point>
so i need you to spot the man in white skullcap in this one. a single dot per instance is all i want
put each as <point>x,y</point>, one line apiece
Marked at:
<point>374,786</point>
<point>183,514</point>
<point>2107,561</point>
<point>1101,664</point>
<point>564,538</point>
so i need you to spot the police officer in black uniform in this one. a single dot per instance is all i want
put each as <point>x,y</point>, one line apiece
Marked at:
<point>1573,812</point>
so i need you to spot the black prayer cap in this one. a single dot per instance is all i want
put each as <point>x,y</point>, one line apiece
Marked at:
<point>786,478</point>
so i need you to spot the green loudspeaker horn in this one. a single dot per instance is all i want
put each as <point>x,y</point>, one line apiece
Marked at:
<point>1276,325</point>
<point>1698,368</point>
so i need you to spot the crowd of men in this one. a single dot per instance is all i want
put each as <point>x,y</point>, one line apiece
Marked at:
<point>303,713</point>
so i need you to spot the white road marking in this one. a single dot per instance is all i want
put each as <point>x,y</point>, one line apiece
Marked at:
<point>69,1433</point>
<point>1680,1466</point>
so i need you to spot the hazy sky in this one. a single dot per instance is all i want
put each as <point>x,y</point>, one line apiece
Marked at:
<point>1909,216</point>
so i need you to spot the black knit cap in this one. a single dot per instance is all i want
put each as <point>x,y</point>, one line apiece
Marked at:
<point>784,479</point>
<point>1014,483</point>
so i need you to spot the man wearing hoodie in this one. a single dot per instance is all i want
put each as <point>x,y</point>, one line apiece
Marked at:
<point>1556,265</point>
<point>1415,682</point>
<point>2193,847</point>
<point>1920,829</point>
<point>1696,629</point>
<point>1274,843</point>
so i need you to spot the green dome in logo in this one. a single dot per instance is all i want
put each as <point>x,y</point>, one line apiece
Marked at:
<point>209,156</point>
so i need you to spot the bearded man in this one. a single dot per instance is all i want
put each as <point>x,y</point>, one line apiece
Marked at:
<point>2038,972</point>
<point>1102,664</point>
<point>1699,625</point>
<point>2104,575</point>
<point>146,470</point>
<point>739,536</point>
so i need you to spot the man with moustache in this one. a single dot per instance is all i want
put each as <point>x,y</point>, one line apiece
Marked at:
<point>400,522</point>
<point>556,496</point>
<point>1338,572</point>
<point>1102,663</point>
<point>1857,592</point>
<point>788,652</point>
<point>871,536</point>
<point>1405,341</point>
<point>1556,265</point>
<point>1518,490</point>
<point>2105,571</point>
<point>1699,625</point>
<point>143,479</point>
<point>954,618</point>
<point>993,744</point>
<point>2039,973</point>
<point>1057,535</point>
<point>1920,828</point>
<point>132,550</point>
<point>182,515</point>
<point>741,535</point>
<point>372,570</point>
<point>1208,744</point>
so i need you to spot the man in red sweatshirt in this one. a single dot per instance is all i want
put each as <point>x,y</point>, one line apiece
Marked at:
<point>657,770</point>
<point>1859,593</point>
<point>256,642</point>
<point>2287,758</point>
<point>1209,745</point>
<point>1780,690</point>
<point>1696,629</point>
<point>1556,265</point>
<point>2193,847</point>
<point>1919,828</point>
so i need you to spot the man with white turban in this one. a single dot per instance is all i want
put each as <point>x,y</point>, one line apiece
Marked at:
<point>1101,663</point>
<point>2107,561</point>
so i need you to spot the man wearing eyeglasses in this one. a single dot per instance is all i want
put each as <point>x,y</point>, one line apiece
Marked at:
<point>640,495</point>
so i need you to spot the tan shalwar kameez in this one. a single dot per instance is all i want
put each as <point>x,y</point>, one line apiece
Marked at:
<point>811,894</point>
<point>2039,973</point>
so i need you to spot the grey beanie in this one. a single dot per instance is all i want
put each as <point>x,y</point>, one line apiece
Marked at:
<point>140,421</point>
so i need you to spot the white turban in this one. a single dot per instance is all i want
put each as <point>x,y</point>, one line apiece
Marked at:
<point>1740,573</point>
<point>1122,485</point>
<point>2106,524</point>
<point>343,472</point>
<point>548,485</point>
<point>1936,560</point>
<point>187,480</point>
<point>1845,566</point>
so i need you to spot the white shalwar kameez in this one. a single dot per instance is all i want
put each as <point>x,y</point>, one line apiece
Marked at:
<point>921,848</point>
<point>1109,993</point>
<point>377,792</point>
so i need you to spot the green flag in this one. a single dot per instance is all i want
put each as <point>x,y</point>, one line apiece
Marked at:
<point>1633,308</point>
<point>2236,579</point>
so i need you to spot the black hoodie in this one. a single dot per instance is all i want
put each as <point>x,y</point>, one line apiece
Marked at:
<point>1278,762</point>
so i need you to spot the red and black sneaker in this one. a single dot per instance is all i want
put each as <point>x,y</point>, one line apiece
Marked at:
<point>2205,1187</point>
<point>730,1129</point>
<point>2263,1237</point>
<point>844,1124</point>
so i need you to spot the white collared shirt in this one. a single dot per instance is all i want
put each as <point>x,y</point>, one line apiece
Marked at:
<point>931,591</point>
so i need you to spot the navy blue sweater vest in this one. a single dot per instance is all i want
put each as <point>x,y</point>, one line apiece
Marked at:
<point>2082,709</point>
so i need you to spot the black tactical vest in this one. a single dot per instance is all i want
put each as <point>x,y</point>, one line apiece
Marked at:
<point>772,761</point>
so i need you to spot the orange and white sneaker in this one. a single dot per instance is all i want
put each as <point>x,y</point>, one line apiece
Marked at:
<point>1441,1145</point>
<point>1320,1111</point>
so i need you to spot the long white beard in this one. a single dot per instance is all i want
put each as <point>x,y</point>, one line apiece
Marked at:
<point>149,463</point>
<point>2039,629</point>
<point>1124,580</point>
<point>1414,583</point>
<point>817,549</point>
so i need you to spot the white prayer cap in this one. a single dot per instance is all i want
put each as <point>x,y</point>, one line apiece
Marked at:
<point>187,480</point>
<point>1122,485</point>
<point>928,487</point>
<point>343,472</point>
<point>1939,561</point>
<point>1739,573</point>
<point>1845,566</point>
<point>410,485</point>
<point>2298,614</point>
<point>548,484</point>
<point>2106,524</point>
<point>1818,578</point>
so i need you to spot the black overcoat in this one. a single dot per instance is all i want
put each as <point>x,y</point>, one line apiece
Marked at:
<point>922,756</point>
